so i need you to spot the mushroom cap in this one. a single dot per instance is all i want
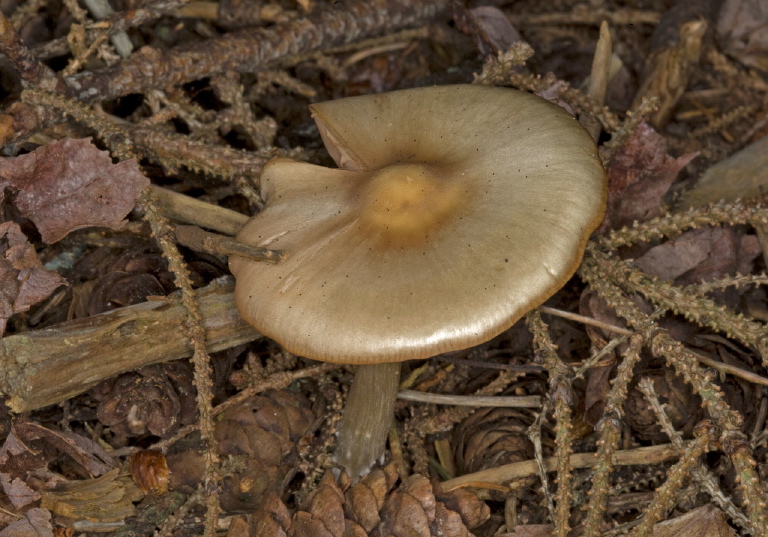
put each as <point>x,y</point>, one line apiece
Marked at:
<point>457,209</point>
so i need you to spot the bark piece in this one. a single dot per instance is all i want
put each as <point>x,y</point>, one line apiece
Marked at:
<point>48,366</point>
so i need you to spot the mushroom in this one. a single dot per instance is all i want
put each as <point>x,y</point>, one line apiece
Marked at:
<point>456,210</point>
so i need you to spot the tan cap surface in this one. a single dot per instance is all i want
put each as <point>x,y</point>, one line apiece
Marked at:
<point>460,209</point>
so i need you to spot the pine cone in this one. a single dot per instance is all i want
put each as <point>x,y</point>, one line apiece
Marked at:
<point>681,405</point>
<point>491,437</point>
<point>130,279</point>
<point>371,508</point>
<point>263,431</point>
<point>142,272</point>
<point>152,400</point>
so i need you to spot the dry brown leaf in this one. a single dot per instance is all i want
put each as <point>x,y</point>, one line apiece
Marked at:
<point>36,523</point>
<point>638,178</point>
<point>70,184</point>
<point>742,175</point>
<point>41,443</point>
<point>489,27</point>
<point>743,27</point>
<point>24,279</point>
<point>17,491</point>
<point>701,255</point>
<point>706,521</point>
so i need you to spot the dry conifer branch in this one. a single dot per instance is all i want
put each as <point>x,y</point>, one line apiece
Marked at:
<point>193,324</point>
<point>560,390</point>
<point>664,346</point>
<point>195,331</point>
<point>249,51</point>
<point>630,124</point>
<point>574,97</point>
<point>609,429</point>
<point>699,472</point>
<point>534,434</point>
<point>695,308</point>
<point>729,281</point>
<point>664,498</point>
<point>114,136</point>
<point>29,68</point>
<point>195,238</point>
<point>726,119</point>
<point>172,151</point>
<point>496,71</point>
<point>672,225</point>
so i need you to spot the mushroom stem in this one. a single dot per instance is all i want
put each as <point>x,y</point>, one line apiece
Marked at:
<point>367,417</point>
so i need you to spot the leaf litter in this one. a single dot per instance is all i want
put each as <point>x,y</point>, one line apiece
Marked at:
<point>274,446</point>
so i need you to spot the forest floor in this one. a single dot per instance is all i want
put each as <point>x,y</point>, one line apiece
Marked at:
<point>633,401</point>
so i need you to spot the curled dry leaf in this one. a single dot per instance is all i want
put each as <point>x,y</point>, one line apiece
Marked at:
<point>24,279</point>
<point>30,446</point>
<point>70,184</point>
<point>638,178</point>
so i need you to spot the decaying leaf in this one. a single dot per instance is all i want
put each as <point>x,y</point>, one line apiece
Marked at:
<point>17,491</point>
<point>24,280</point>
<point>743,28</point>
<point>70,184</point>
<point>638,178</point>
<point>36,523</point>
<point>706,521</point>
<point>742,175</point>
<point>108,498</point>
<point>490,28</point>
<point>701,255</point>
